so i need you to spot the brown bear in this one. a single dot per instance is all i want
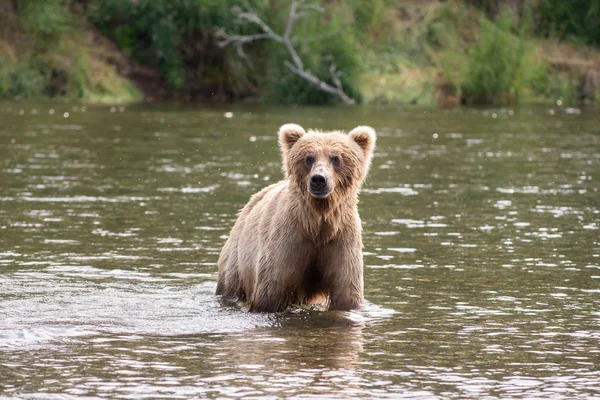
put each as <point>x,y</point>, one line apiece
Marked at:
<point>299,241</point>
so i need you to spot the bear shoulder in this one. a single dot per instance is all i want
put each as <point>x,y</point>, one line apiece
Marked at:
<point>257,197</point>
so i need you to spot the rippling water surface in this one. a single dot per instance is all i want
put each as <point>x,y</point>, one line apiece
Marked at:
<point>482,256</point>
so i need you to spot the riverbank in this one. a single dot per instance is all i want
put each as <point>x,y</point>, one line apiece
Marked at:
<point>418,52</point>
<point>451,53</point>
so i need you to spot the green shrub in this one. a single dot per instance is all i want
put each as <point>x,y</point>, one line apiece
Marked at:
<point>96,81</point>
<point>22,80</point>
<point>44,21</point>
<point>576,20</point>
<point>178,37</point>
<point>42,25</point>
<point>495,70</point>
<point>541,78</point>
<point>553,85</point>
<point>166,33</point>
<point>333,44</point>
<point>370,18</point>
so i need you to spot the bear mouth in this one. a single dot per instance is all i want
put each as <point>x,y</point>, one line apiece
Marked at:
<point>319,193</point>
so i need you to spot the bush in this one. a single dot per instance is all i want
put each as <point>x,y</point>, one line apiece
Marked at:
<point>44,21</point>
<point>495,70</point>
<point>24,80</point>
<point>576,20</point>
<point>166,33</point>
<point>554,85</point>
<point>42,24</point>
<point>333,44</point>
<point>371,17</point>
<point>178,37</point>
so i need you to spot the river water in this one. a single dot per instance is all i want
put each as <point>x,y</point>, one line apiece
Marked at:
<point>482,256</point>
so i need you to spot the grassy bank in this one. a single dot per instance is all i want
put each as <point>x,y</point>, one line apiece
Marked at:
<point>452,52</point>
<point>48,49</point>
<point>393,52</point>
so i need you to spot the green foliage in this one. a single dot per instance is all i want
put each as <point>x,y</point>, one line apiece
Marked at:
<point>146,29</point>
<point>164,32</point>
<point>388,51</point>
<point>45,21</point>
<point>490,7</point>
<point>445,39</point>
<point>98,82</point>
<point>333,44</point>
<point>575,20</point>
<point>541,78</point>
<point>495,71</point>
<point>177,37</point>
<point>502,64</point>
<point>370,18</point>
<point>43,24</point>
<point>546,84</point>
<point>125,37</point>
<point>283,86</point>
<point>44,54</point>
<point>23,80</point>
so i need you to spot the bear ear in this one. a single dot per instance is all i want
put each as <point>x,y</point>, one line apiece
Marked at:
<point>289,135</point>
<point>365,137</point>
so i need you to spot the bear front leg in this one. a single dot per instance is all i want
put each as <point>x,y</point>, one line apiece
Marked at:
<point>269,298</point>
<point>271,291</point>
<point>228,281</point>
<point>344,274</point>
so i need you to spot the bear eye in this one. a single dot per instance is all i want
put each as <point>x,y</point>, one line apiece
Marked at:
<point>310,160</point>
<point>335,160</point>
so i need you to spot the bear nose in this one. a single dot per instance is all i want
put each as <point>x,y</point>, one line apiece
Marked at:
<point>318,181</point>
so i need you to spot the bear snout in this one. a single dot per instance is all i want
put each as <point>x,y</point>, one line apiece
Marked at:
<point>318,181</point>
<point>319,186</point>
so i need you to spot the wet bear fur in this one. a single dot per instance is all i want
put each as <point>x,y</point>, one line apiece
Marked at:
<point>299,241</point>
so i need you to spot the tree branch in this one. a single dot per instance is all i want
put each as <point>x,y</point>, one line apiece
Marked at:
<point>241,38</point>
<point>325,87</point>
<point>296,66</point>
<point>250,17</point>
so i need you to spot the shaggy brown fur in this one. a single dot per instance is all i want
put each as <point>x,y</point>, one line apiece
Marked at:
<point>299,241</point>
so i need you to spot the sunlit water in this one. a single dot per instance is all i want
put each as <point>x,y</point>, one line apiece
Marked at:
<point>482,253</point>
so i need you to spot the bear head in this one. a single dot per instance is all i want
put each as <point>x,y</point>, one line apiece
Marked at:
<point>326,166</point>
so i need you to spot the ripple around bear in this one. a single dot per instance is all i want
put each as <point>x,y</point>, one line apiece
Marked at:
<point>299,241</point>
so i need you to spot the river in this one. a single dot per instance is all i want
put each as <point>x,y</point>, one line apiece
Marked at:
<point>482,255</point>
